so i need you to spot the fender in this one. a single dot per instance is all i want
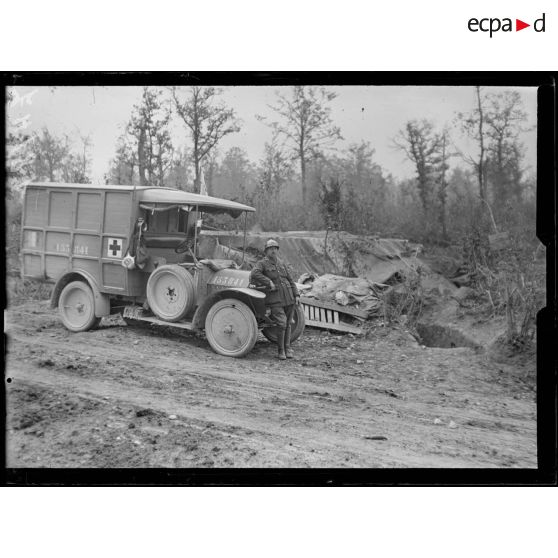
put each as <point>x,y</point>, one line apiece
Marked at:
<point>102,300</point>
<point>241,293</point>
<point>246,290</point>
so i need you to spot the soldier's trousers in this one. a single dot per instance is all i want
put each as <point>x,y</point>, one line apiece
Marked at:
<point>282,315</point>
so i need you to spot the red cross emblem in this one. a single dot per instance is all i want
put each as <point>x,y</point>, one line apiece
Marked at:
<point>114,248</point>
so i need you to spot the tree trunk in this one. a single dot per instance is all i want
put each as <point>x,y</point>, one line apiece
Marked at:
<point>149,159</point>
<point>443,220</point>
<point>303,179</point>
<point>196,161</point>
<point>131,173</point>
<point>161,172</point>
<point>443,190</point>
<point>480,169</point>
<point>197,182</point>
<point>209,177</point>
<point>141,158</point>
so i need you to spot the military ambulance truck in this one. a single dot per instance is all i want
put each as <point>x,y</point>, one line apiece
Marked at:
<point>139,251</point>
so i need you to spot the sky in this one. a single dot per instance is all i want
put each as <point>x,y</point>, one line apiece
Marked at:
<point>364,113</point>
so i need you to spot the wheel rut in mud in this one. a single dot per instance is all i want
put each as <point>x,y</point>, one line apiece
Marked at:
<point>154,399</point>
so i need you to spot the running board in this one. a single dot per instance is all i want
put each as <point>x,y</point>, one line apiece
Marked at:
<point>137,313</point>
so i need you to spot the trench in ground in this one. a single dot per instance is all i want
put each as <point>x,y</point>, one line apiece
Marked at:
<point>443,337</point>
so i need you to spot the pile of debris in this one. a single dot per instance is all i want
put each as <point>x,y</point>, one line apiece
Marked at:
<point>350,292</point>
<point>339,303</point>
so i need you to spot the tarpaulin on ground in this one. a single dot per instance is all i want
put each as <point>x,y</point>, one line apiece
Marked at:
<point>316,252</point>
<point>378,260</point>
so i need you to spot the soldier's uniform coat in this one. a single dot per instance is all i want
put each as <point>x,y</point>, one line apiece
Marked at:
<point>266,270</point>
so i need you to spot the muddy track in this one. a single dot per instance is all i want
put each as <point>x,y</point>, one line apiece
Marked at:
<point>151,398</point>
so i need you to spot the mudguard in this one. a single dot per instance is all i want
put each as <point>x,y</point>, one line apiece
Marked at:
<point>198,320</point>
<point>246,290</point>
<point>102,301</point>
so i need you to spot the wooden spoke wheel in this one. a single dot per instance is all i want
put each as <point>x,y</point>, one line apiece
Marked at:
<point>170,292</point>
<point>77,307</point>
<point>231,328</point>
<point>296,328</point>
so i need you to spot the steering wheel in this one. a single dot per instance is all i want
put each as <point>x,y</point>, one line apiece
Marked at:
<point>185,246</point>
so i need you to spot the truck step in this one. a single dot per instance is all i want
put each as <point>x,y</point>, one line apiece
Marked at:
<point>138,313</point>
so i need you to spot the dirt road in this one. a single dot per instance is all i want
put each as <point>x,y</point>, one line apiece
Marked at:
<point>124,396</point>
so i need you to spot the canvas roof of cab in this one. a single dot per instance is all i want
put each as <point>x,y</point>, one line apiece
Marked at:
<point>155,198</point>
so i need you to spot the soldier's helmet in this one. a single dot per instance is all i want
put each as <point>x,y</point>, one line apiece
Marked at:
<point>271,244</point>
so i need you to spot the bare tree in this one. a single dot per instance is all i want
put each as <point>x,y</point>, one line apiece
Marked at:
<point>207,121</point>
<point>275,169</point>
<point>180,173</point>
<point>273,175</point>
<point>473,125</point>
<point>77,165</point>
<point>363,173</point>
<point>210,167</point>
<point>494,125</point>
<point>306,123</point>
<point>233,177</point>
<point>123,165</point>
<point>504,120</point>
<point>53,158</point>
<point>421,145</point>
<point>360,158</point>
<point>444,155</point>
<point>149,126</point>
<point>48,152</point>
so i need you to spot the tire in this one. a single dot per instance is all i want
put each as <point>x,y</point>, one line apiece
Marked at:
<point>170,292</point>
<point>231,328</point>
<point>296,329</point>
<point>76,306</point>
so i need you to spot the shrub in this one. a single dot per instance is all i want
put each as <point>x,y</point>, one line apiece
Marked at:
<point>510,278</point>
<point>23,290</point>
<point>405,298</point>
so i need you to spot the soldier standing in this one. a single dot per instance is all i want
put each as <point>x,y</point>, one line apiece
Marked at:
<point>282,295</point>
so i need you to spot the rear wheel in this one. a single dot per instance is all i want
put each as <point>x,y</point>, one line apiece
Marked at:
<point>77,307</point>
<point>231,328</point>
<point>170,292</point>
<point>296,328</point>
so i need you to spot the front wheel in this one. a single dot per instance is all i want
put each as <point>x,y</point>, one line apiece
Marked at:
<point>231,328</point>
<point>297,327</point>
<point>77,307</point>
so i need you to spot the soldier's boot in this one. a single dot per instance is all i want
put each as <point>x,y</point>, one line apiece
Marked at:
<point>288,351</point>
<point>281,344</point>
